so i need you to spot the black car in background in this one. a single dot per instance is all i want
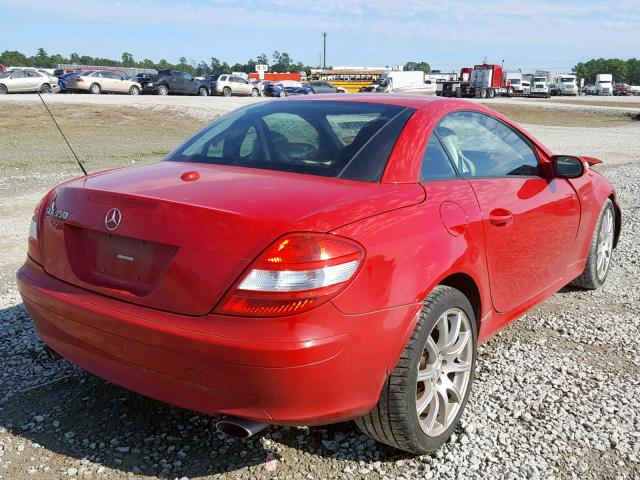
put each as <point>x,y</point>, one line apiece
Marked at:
<point>167,82</point>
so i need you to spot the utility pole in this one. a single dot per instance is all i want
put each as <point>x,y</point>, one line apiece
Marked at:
<point>324,40</point>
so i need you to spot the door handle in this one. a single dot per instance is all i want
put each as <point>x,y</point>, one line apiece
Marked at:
<point>500,217</point>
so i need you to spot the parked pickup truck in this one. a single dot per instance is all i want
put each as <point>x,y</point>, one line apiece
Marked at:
<point>167,82</point>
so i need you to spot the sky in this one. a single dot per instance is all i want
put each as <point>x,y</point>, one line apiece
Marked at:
<point>540,34</point>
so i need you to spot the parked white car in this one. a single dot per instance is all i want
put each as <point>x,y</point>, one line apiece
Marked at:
<point>27,80</point>
<point>106,81</point>
<point>229,85</point>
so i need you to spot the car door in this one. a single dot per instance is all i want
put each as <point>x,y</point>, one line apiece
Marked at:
<point>176,82</point>
<point>238,86</point>
<point>530,221</point>
<point>18,82</point>
<point>33,80</point>
<point>189,85</point>
<point>110,82</point>
<point>118,83</point>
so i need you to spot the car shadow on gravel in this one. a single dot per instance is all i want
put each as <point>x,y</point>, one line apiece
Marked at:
<point>80,416</point>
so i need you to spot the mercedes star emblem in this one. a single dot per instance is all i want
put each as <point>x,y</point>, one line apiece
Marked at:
<point>112,219</point>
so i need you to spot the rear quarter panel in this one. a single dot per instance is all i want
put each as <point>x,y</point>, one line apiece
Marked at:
<point>410,251</point>
<point>592,190</point>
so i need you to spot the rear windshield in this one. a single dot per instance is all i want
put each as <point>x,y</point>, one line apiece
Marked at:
<point>350,140</point>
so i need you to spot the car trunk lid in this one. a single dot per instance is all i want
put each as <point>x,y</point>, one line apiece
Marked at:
<point>146,236</point>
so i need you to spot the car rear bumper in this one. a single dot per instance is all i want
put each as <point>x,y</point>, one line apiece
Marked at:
<point>314,368</point>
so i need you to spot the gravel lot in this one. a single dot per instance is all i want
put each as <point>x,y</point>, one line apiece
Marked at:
<point>557,394</point>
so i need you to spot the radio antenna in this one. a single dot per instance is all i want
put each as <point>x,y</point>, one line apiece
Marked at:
<point>61,133</point>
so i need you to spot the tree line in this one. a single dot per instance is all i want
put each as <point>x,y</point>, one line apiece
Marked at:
<point>280,62</point>
<point>623,71</point>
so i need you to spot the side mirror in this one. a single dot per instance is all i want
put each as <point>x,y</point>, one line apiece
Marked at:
<point>566,166</point>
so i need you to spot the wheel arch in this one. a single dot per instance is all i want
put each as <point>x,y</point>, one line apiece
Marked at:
<point>467,285</point>
<point>618,218</point>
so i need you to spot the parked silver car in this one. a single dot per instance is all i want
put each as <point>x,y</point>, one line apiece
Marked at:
<point>229,85</point>
<point>106,81</point>
<point>27,80</point>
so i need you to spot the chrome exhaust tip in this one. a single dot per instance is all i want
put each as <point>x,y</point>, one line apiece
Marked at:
<point>239,427</point>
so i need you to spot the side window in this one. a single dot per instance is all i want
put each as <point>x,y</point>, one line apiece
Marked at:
<point>18,74</point>
<point>435,162</point>
<point>481,146</point>
<point>187,77</point>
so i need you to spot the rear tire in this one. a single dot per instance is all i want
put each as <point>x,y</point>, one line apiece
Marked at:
<point>282,93</point>
<point>483,93</point>
<point>491,93</point>
<point>45,88</point>
<point>134,90</point>
<point>419,416</point>
<point>600,251</point>
<point>255,92</point>
<point>95,89</point>
<point>3,90</point>
<point>226,91</point>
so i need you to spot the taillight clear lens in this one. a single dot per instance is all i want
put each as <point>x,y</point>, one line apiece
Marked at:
<point>33,229</point>
<point>33,247</point>
<point>296,273</point>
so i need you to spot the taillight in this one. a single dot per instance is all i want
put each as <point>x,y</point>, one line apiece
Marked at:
<point>33,246</point>
<point>79,79</point>
<point>296,273</point>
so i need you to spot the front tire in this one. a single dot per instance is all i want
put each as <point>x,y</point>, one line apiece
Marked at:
<point>95,89</point>
<point>600,251</point>
<point>163,90</point>
<point>203,92</point>
<point>425,395</point>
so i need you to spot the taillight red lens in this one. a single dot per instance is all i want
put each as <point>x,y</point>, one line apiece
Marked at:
<point>296,273</point>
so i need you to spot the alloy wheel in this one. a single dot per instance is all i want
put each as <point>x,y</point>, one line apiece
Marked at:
<point>444,372</point>
<point>605,244</point>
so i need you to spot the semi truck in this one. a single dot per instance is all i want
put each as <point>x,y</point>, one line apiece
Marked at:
<point>515,82</point>
<point>405,81</point>
<point>540,83</point>
<point>604,84</point>
<point>564,84</point>
<point>484,81</point>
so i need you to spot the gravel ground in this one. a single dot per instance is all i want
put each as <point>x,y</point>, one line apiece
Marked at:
<point>557,394</point>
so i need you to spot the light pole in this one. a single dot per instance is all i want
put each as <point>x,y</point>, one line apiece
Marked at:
<point>324,41</point>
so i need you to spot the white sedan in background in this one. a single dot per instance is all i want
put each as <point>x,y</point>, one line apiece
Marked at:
<point>106,81</point>
<point>27,80</point>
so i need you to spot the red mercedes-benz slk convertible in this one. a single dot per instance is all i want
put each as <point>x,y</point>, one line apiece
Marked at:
<point>310,261</point>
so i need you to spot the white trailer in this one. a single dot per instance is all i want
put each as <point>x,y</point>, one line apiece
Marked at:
<point>604,84</point>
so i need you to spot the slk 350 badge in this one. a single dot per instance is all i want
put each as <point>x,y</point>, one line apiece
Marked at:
<point>61,214</point>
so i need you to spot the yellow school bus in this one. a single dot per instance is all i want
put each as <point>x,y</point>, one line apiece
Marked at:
<point>350,79</point>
